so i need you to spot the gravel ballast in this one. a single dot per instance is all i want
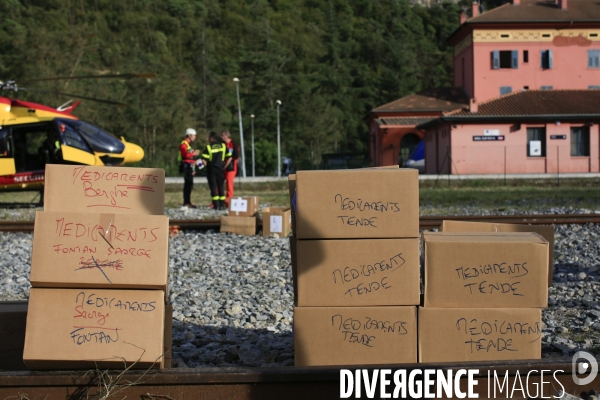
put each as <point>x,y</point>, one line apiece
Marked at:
<point>233,296</point>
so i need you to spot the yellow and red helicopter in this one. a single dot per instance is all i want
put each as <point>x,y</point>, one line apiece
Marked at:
<point>33,135</point>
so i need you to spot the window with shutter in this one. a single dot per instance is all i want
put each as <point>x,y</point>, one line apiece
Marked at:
<point>505,59</point>
<point>593,58</point>
<point>514,59</point>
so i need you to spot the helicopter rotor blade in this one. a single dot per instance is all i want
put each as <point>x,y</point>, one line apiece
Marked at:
<point>122,76</point>
<point>116,103</point>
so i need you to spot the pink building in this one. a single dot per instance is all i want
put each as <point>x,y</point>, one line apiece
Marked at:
<point>533,131</point>
<point>528,45</point>
<point>531,69</point>
<point>392,126</point>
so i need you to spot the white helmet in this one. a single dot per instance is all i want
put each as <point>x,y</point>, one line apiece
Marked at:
<point>190,131</point>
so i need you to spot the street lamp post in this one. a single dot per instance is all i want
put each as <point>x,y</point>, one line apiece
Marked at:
<point>252,122</point>
<point>237,90</point>
<point>278,141</point>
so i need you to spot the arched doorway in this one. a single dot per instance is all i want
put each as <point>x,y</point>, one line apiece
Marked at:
<point>407,145</point>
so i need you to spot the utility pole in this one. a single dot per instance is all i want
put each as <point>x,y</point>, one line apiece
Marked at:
<point>278,141</point>
<point>237,90</point>
<point>252,124</point>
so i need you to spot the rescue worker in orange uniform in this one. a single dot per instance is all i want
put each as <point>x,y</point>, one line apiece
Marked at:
<point>187,165</point>
<point>232,168</point>
<point>216,158</point>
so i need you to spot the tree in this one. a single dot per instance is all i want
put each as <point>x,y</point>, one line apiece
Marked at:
<point>329,61</point>
<point>266,157</point>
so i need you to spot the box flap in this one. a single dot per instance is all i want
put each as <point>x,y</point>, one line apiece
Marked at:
<point>368,203</point>
<point>479,237</point>
<point>89,326</point>
<point>354,335</point>
<point>547,231</point>
<point>86,250</point>
<point>357,272</point>
<point>470,334</point>
<point>117,190</point>
<point>482,270</point>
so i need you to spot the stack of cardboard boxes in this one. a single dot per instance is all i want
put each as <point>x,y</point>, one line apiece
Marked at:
<point>355,259</point>
<point>242,216</point>
<point>355,263</point>
<point>99,271</point>
<point>484,294</point>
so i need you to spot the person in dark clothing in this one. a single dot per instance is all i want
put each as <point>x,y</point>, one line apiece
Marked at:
<point>216,158</point>
<point>187,165</point>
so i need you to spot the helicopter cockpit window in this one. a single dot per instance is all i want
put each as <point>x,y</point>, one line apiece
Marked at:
<point>99,140</point>
<point>71,138</point>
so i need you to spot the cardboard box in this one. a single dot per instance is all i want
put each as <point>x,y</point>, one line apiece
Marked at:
<point>484,270</point>
<point>168,336</point>
<point>239,225</point>
<point>87,328</point>
<point>358,272</point>
<point>277,220</point>
<point>482,334</point>
<point>292,192</point>
<point>13,317</point>
<point>294,257</point>
<point>356,204</point>
<point>546,231</point>
<point>96,250</point>
<point>355,335</point>
<point>243,206</point>
<point>114,190</point>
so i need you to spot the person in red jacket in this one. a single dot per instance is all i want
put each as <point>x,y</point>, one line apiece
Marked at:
<point>232,168</point>
<point>187,165</point>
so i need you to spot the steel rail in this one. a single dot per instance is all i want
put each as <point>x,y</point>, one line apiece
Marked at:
<point>531,219</point>
<point>425,222</point>
<point>16,226</point>
<point>243,383</point>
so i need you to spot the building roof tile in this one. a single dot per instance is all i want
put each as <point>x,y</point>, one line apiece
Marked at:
<point>437,99</point>
<point>537,103</point>
<point>541,11</point>
<point>403,121</point>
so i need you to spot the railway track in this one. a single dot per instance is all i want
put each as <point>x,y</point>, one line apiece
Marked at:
<point>279,383</point>
<point>531,219</point>
<point>273,383</point>
<point>425,222</point>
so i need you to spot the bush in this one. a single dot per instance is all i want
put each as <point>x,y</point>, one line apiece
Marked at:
<point>265,152</point>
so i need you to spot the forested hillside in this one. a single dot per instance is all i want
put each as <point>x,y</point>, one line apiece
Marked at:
<point>328,61</point>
